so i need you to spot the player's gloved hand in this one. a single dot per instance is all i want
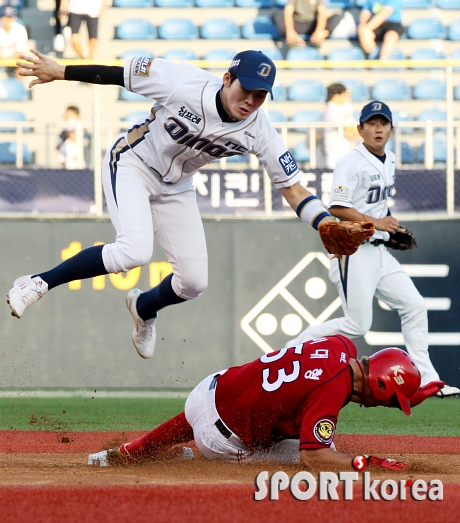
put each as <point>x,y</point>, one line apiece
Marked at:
<point>430,389</point>
<point>344,238</point>
<point>386,463</point>
<point>401,240</point>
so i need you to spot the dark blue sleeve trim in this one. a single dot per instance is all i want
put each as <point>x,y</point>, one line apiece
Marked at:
<point>303,203</point>
<point>324,214</point>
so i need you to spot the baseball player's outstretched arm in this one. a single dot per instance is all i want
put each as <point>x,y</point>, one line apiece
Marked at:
<point>329,460</point>
<point>388,223</point>
<point>47,70</point>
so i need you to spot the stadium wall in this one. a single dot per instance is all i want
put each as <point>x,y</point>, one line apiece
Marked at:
<point>267,279</point>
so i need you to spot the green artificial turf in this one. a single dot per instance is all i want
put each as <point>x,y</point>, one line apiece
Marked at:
<point>434,417</point>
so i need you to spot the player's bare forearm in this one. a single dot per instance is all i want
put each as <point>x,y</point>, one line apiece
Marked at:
<point>326,460</point>
<point>44,68</point>
<point>388,224</point>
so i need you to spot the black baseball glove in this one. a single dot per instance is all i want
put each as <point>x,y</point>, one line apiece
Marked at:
<point>401,240</point>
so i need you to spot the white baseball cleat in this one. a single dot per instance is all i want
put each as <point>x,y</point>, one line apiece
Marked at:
<point>448,390</point>
<point>99,459</point>
<point>25,291</point>
<point>144,333</point>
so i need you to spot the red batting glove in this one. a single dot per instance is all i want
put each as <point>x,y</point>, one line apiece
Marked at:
<point>430,389</point>
<point>386,463</point>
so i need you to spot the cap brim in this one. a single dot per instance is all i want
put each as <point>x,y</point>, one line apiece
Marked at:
<point>404,403</point>
<point>252,84</point>
<point>377,114</point>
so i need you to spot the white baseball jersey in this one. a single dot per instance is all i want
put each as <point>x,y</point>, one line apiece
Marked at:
<point>184,131</point>
<point>363,182</point>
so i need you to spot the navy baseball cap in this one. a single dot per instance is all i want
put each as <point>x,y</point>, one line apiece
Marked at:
<point>254,70</point>
<point>374,108</point>
<point>7,11</point>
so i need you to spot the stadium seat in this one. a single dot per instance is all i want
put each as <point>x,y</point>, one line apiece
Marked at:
<point>340,54</point>
<point>301,152</point>
<point>260,28</point>
<point>136,29</point>
<point>439,150</point>
<point>132,53</point>
<point>238,159</point>
<point>448,4</point>
<point>417,4</point>
<point>456,56</point>
<point>427,54</point>
<point>13,90</point>
<point>339,4</point>
<point>276,116</point>
<point>426,29</point>
<point>359,90</point>
<point>220,29</point>
<point>407,153</point>
<point>8,153</point>
<point>279,92</point>
<point>214,3</point>
<point>280,3</point>
<point>12,116</point>
<point>220,54</point>
<point>297,54</point>
<point>174,3</point>
<point>307,91</point>
<point>178,29</point>
<point>430,89</point>
<point>453,32</point>
<point>258,4</point>
<point>391,89</point>
<point>403,116</point>
<point>132,3</point>
<point>273,53</point>
<point>128,96</point>
<point>435,115</point>
<point>135,116</point>
<point>306,116</point>
<point>397,54</point>
<point>180,54</point>
<point>457,92</point>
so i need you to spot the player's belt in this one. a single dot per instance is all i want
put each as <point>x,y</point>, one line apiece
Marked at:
<point>376,243</point>
<point>220,426</point>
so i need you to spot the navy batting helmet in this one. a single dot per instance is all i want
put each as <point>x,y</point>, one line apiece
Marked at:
<point>392,371</point>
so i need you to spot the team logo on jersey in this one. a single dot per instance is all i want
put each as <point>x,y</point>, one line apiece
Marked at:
<point>324,431</point>
<point>188,115</point>
<point>288,163</point>
<point>339,193</point>
<point>313,374</point>
<point>142,66</point>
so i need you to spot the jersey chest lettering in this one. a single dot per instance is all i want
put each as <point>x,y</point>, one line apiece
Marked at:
<point>181,134</point>
<point>376,193</point>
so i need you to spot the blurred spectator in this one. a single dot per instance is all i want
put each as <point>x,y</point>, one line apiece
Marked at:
<point>88,11</point>
<point>60,18</point>
<point>73,142</point>
<point>13,37</point>
<point>380,20</point>
<point>301,18</point>
<point>339,111</point>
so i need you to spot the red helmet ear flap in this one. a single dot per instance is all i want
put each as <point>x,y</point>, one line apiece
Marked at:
<point>392,371</point>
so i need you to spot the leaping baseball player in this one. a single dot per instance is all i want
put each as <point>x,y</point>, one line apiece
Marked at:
<point>147,174</point>
<point>362,186</point>
<point>283,407</point>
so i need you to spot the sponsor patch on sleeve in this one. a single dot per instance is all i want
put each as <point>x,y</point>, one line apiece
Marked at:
<point>142,66</point>
<point>324,431</point>
<point>288,164</point>
<point>339,193</point>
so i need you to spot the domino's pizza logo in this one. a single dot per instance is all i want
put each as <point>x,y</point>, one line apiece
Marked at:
<point>288,164</point>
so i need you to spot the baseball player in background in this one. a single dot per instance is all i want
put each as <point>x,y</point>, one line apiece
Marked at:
<point>282,403</point>
<point>362,186</point>
<point>147,174</point>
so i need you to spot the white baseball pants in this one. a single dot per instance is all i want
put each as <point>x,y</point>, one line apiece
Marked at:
<point>142,208</point>
<point>373,271</point>
<point>202,415</point>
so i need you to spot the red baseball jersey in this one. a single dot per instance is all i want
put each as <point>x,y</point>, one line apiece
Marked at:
<point>295,392</point>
